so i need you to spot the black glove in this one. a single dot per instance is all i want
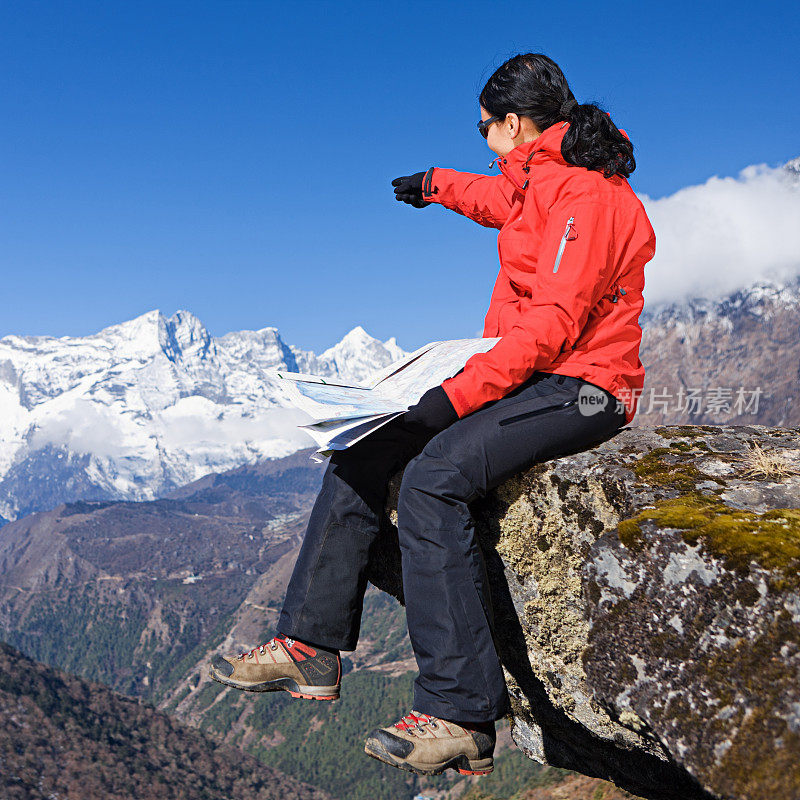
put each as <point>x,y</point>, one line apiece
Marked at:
<point>432,413</point>
<point>408,188</point>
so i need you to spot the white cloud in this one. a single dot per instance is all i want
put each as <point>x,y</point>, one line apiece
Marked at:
<point>724,234</point>
<point>195,422</point>
<point>82,428</point>
<point>191,425</point>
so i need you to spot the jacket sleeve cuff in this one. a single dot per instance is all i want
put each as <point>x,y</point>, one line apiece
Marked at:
<point>457,398</point>
<point>440,408</point>
<point>430,191</point>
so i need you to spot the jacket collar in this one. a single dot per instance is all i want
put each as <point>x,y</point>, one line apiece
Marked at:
<point>516,165</point>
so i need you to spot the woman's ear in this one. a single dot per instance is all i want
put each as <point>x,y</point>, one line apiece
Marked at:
<point>512,124</point>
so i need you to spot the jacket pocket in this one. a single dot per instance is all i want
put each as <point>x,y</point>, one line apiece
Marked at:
<point>536,412</point>
<point>520,291</point>
<point>609,300</point>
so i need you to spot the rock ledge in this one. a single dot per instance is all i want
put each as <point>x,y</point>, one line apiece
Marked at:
<point>647,609</point>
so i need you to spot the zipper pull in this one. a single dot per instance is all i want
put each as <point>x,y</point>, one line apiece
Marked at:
<point>564,239</point>
<point>617,289</point>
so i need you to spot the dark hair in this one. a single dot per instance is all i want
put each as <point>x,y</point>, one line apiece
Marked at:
<point>533,85</point>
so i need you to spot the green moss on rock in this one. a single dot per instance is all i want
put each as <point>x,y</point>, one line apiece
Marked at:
<point>686,431</point>
<point>682,446</point>
<point>655,469</point>
<point>738,536</point>
<point>630,534</point>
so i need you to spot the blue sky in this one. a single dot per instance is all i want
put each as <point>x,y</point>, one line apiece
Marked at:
<point>235,158</point>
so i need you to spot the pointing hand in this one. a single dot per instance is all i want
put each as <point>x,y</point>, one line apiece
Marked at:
<point>408,188</point>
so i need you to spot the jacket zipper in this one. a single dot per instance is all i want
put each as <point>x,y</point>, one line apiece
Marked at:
<point>561,246</point>
<point>500,161</point>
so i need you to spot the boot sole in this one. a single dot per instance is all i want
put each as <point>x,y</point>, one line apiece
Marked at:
<point>460,763</point>
<point>282,684</point>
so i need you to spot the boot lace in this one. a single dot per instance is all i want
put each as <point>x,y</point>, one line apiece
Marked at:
<point>262,648</point>
<point>414,721</point>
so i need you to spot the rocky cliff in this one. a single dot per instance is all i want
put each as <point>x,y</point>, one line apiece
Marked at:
<point>647,609</point>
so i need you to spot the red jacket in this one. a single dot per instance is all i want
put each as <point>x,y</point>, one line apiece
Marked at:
<point>567,299</point>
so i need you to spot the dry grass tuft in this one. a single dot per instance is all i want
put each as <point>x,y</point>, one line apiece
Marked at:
<point>772,465</point>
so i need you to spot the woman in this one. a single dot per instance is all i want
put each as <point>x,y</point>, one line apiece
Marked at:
<point>573,242</point>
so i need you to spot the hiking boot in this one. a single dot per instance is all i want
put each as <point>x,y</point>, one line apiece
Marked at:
<point>428,745</point>
<point>282,663</point>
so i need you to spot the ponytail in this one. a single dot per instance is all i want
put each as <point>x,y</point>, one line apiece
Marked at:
<point>533,85</point>
<point>594,141</point>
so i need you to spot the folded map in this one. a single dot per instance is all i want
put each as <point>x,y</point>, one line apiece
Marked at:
<point>345,413</point>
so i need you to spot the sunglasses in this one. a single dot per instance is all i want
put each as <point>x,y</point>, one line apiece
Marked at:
<point>483,125</point>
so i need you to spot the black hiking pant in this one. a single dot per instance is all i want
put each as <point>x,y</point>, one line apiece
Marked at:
<point>448,606</point>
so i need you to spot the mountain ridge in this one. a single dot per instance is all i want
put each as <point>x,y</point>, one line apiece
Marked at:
<point>745,346</point>
<point>150,404</point>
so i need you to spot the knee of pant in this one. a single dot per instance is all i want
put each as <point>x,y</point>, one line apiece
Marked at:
<point>418,471</point>
<point>433,474</point>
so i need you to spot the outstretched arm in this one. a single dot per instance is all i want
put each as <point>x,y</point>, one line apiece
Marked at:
<point>486,199</point>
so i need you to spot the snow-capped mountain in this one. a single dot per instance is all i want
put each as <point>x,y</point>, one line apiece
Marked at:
<point>793,170</point>
<point>150,404</point>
